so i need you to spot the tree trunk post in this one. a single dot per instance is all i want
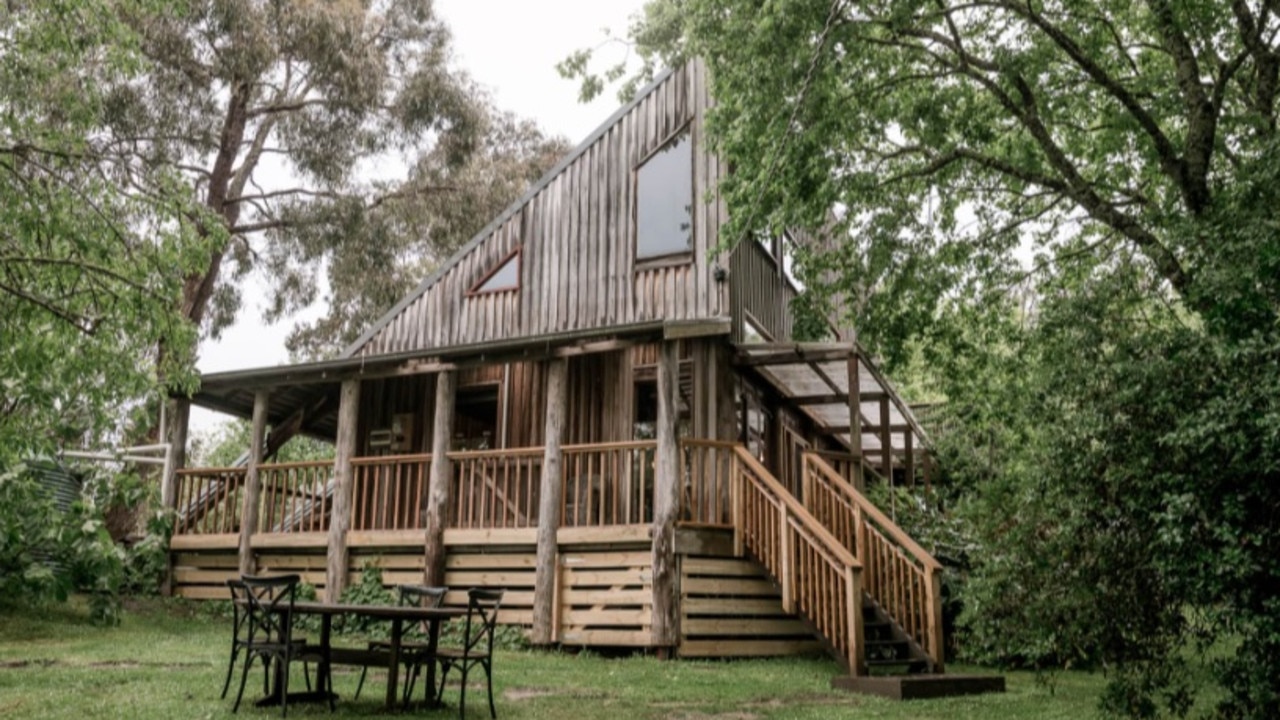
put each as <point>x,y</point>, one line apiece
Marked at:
<point>338,565</point>
<point>180,420</point>
<point>435,513</point>
<point>253,483</point>
<point>549,504</point>
<point>666,501</point>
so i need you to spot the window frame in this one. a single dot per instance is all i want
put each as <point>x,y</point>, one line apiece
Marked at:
<point>475,289</point>
<point>678,257</point>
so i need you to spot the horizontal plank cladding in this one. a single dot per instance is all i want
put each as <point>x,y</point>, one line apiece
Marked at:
<point>202,574</point>
<point>605,597</point>
<point>729,608</point>
<point>576,236</point>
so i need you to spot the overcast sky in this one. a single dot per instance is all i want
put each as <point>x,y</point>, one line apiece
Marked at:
<point>511,48</point>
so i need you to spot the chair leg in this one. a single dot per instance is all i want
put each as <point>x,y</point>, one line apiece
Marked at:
<point>284,681</point>
<point>444,675</point>
<point>244,677</point>
<point>488,676</point>
<point>462,691</point>
<point>409,682</point>
<point>360,685</point>
<point>231,664</point>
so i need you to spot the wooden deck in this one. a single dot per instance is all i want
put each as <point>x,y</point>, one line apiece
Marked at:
<point>728,607</point>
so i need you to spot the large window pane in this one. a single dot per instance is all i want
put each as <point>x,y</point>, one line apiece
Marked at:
<point>664,200</point>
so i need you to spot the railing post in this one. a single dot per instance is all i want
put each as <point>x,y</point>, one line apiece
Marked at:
<point>253,483</point>
<point>934,611</point>
<point>857,642</point>
<point>337,565</point>
<point>549,504</point>
<point>785,569</point>
<point>736,482</point>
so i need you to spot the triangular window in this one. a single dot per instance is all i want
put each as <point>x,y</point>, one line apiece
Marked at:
<point>503,276</point>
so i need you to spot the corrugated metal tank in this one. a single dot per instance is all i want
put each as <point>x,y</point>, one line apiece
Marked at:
<point>63,487</point>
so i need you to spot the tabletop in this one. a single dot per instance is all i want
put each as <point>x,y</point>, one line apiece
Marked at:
<point>386,612</point>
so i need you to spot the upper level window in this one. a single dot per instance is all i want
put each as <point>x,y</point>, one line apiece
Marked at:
<point>664,200</point>
<point>504,276</point>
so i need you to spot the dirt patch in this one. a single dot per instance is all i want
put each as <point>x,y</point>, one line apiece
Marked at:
<point>713,716</point>
<point>12,664</point>
<point>526,693</point>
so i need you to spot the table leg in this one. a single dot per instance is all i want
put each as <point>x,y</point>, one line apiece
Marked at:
<point>433,639</point>
<point>324,677</point>
<point>393,670</point>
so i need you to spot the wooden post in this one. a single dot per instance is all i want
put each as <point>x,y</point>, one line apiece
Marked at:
<point>934,609</point>
<point>253,483</point>
<point>335,576</point>
<point>855,406</point>
<point>909,460</point>
<point>179,422</point>
<point>857,640</point>
<point>549,504</point>
<point>666,502</point>
<point>886,443</point>
<point>434,514</point>
<point>786,565</point>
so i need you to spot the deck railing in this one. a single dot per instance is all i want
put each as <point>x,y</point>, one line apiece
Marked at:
<point>495,488</point>
<point>387,491</point>
<point>820,578</point>
<point>608,484</point>
<point>209,501</point>
<point>705,490</point>
<point>296,497</point>
<point>898,574</point>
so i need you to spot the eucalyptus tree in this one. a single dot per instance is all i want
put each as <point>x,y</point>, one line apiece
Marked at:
<point>1123,157</point>
<point>274,112</point>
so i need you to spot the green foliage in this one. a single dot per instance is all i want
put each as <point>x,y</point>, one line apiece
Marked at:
<point>91,268</point>
<point>369,591</point>
<point>226,443</point>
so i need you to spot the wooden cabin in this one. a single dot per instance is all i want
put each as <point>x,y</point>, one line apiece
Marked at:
<point>591,407</point>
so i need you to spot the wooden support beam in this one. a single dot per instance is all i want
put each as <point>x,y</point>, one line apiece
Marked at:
<point>909,458</point>
<point>666,502</point>
<point>296,423</point>
<point>549,504</point>
<point>886,442</point>
<point>748,358</point>
<point>336,568</point>
<point>253,482</point>
<point>855,405</point>
<point>435,514</point>
<point>833,398</point>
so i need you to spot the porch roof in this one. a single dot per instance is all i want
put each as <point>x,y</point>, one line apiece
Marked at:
<point>815,377</point>
<point>307,393</point>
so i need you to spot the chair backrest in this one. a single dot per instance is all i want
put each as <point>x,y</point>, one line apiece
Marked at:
<point>239,609</point>
<point>270,607</point>
<point>482,616</point>
<point>422,595</point>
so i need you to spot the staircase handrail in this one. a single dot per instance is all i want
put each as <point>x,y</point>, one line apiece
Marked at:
<point>829,597</point>
<point>920,617</point>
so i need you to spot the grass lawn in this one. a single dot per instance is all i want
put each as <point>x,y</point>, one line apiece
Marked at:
<point>167,661</point>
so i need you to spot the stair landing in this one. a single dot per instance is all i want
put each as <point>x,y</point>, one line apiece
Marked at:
<point>920,687</point>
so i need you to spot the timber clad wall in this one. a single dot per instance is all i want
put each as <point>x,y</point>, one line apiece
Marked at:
<point>576,234</point>
<point>760,288</point>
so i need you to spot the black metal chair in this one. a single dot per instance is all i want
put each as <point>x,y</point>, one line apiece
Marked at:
<point>240,635</point>
<point>477,646</point>
<point>412,654</point>
<point>269,618</point>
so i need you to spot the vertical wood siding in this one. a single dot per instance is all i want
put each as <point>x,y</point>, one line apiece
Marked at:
<point>577,267</point>
<point>760,288</point>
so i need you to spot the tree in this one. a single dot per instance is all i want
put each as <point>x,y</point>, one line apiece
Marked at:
<point>90,268</point>
<point>1131,148</point>
<point>274,111</point>
<point>377,257</point>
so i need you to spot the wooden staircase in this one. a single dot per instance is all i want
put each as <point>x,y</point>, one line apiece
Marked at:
<point>869,591</point>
